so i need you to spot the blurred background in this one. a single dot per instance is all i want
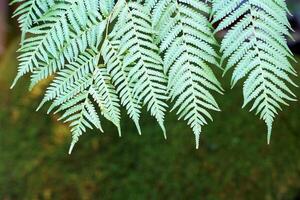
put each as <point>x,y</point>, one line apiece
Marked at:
<point>233,161</point>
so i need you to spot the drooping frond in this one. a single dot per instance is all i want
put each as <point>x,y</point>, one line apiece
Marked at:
<point>82,114</point>
<point>105,95</point>
<point>90,37</point>
<point>70,92</point>
<point>142,53</point>
<point>74,73</point>
<point>66,18</point>
<point>64,42</point>
<point>141,61</point>
<point>119,74</point>
<point>78,82</point>
<point>256,48</point>
<point>185,37</point>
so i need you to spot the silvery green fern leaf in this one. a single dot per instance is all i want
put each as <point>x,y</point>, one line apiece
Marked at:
<point>95,52</point>
<point>141,64</point>
<point>70,50</point>
<point>105,95</point>
<point>64,42</point>
<point>114,62</point>
<point>186,39</point>
<point>29,12</point>
<point>256,48</point>
<point>84,81</point>
<point>65,17</point>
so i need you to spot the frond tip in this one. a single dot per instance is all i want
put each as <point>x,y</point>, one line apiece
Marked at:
<point>269,133</point>
<point>197,132</point>
<point>71,147</point>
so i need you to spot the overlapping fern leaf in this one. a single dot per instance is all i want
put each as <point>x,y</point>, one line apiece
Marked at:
<point>64,41</point>
<point>77,24</point>
<point>76,89</point>
<point>70,42</point>
<point>101,54</point>
<point>256,48</point>
<point>136,64</point>
<point>187,43</point>
<point>119,74</point>
<point>29,12</point>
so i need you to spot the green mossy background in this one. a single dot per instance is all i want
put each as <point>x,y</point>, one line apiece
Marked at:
<point>233,161</point>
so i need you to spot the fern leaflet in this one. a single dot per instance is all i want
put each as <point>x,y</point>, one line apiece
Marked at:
<point>186,40</point>
<point>256,46</point>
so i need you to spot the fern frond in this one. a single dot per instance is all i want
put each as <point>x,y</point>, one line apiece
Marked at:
<point>101,54</point>
<point>82,114</point>
<point>141,59</point>
<point>75,78</point>
<point>105,95</point>
<point>89,37</point>
<point>66,18</point>
<point>70,75</point>
<point>84,77</point>
<point>29,12</point>
<point>45,41</point>
<point>120,79</point>
<point>187,42</point>
<point>256,48</point>
<point>65,42</point>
